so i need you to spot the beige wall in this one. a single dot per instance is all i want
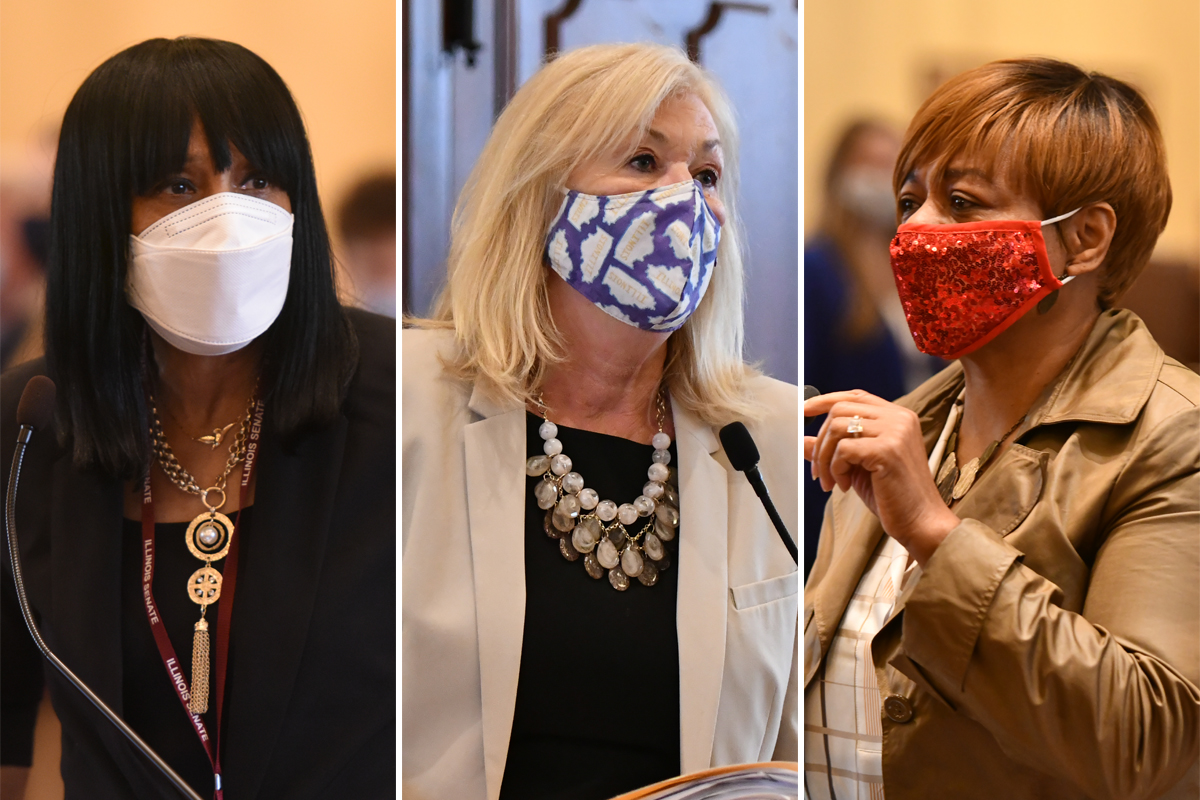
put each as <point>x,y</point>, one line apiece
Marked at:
<point>337,58</point>
<point>875,57</point>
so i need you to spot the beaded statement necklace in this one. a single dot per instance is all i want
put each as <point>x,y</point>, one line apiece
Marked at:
<point>625,540</point>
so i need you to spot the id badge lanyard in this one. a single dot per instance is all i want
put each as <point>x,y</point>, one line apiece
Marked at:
<point>228,581</point>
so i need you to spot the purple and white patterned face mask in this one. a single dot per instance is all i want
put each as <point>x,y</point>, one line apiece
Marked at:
<point>644,257</point>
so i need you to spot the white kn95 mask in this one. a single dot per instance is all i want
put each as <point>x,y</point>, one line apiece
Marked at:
<point>212,276</point>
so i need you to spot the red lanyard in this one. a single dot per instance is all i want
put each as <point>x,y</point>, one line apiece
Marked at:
<point>228,582</point>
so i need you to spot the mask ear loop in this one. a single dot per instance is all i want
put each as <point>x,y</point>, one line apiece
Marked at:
<point>1047,302</point>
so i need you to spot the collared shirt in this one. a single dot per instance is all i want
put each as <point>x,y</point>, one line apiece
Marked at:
<point>843,736</point>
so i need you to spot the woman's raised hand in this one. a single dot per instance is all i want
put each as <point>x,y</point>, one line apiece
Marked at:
<point>876,448</point>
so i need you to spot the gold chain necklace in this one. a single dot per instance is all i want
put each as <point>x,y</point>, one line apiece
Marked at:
<point>208,538</point>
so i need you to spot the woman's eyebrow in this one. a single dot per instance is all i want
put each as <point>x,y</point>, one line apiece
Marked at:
<point>707,146</point>
<point>976,172</point>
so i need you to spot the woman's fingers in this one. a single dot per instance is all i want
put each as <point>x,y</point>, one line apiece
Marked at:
<point>821,404</point>
<point>836,405</point>
<point>863,432</point>
<point>849,418</point>
<point>877,449</point>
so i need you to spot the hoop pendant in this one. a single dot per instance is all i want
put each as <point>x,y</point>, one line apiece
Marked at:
<point>204,498</point>
<point>208,536</point>
<point>204,587</point>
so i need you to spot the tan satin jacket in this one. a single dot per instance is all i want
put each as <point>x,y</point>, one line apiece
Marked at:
<point>1051,647</point>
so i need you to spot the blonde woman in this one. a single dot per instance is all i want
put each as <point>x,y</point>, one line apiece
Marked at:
<point>593,599</point>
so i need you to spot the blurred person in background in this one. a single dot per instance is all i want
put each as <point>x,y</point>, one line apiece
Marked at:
<point>855,335</point>
<point>221,420</point>
<point>1006,596</point>
<point>24,246</point>
<point>367,223</point>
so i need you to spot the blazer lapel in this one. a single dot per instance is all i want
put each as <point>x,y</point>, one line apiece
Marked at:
<point>85,631</point>
<point>495,455</point>
<point>85,528</point>
<point>281,555</point>
<point>702,603</point>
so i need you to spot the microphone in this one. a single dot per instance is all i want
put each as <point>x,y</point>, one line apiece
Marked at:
<point>34,412</point>
<point>809,393</point>
<point>743,455</point>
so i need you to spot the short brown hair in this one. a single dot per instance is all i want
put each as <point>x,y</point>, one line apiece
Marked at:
<point>1074,137</point>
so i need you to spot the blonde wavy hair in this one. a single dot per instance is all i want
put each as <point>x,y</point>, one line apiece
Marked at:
<point>585,104</point>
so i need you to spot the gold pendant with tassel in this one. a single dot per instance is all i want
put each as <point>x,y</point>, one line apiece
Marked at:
<point>198,703</point>
<point>204,588</point>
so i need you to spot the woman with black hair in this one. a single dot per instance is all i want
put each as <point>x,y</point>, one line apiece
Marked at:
<point>214,394</point>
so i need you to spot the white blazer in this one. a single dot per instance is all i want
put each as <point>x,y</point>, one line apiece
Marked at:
<point>463,529</point>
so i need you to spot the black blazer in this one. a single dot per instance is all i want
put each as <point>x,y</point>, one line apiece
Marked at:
<point>310,710</point>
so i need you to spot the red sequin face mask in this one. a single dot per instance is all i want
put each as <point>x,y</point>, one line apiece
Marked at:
<point>962,285</point>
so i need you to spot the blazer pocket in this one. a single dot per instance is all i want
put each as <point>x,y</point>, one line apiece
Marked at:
<point>761,592</point>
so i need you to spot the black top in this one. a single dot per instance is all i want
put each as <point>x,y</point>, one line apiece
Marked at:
<point>152,708</point>
<point>597,709</point>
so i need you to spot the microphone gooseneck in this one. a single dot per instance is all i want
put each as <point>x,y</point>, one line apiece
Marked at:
<point>743,456</point>
<point>34,412</point>
<point>809,393</point>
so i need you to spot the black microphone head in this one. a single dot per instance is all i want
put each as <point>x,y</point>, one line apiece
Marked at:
<point>739,446</point>
<point>36,406</point>
<point>810,392</point>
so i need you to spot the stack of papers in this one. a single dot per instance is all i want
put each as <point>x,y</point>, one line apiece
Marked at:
<point>774,780</point>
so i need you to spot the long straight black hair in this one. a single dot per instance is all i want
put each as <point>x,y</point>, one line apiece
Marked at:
<point>125,131</point>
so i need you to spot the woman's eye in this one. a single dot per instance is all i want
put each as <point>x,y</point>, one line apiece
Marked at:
<point>643,162</point>
<point>178,187</point>
<point>708,178</point>
<point>907,205</point>
<point>960,203</point>
<point>257,183</point>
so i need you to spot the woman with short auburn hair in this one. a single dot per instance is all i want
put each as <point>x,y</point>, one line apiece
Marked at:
<point>221,422</point>
<point>1079,137</point>
<point>1005,597</point>
<point>570,627</point>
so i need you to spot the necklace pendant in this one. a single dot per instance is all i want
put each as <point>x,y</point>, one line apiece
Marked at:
<point>215,438</point>
<point>593,567</point>
<point>567,549</point>
<point>618,579</point>
<point>947,477</point>
<point>208,536</point>
<point>988,453</point>
<point>204,587</point>
<point>649,574</point>
<point>966,478</point>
